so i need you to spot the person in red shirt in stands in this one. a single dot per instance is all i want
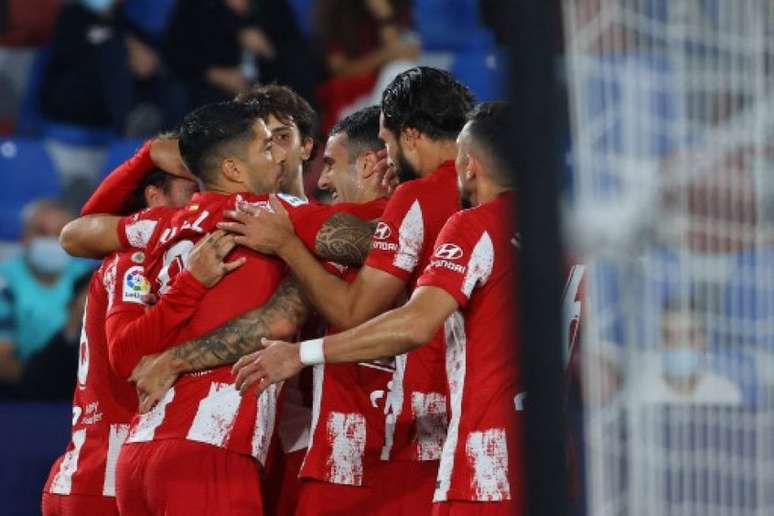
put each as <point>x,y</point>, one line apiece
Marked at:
<point>466,287</point>
<point>422,112</point>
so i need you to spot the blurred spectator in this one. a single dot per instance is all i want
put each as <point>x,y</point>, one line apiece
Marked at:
<point>213,46</point>
<point>103,73</point>
<point>360,37</point>
<point>680,373</point>
<point>27,23</point>
<point>50,372</point>
<point>35,288</point>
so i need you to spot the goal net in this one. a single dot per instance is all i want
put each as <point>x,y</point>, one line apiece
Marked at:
<point>669,204</point>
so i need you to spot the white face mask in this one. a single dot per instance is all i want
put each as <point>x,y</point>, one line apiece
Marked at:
<point>46,256</point>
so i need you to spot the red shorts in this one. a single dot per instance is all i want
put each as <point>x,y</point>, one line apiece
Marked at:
<point>325,499</point>
<point>460,508</point>
<point>78,505</point>
<point>407,488</point>
<point>281,484</point>
<point>177,476</point>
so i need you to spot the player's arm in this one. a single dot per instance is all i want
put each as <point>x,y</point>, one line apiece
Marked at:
<point>280,318</point>
<point>344,239</point>
<point>91,236</point>
<point>390,334</point>
<point>343,304</point>
<point>136,331</point>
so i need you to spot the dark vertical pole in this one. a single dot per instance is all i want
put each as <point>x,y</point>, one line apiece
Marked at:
<point>535,93</point>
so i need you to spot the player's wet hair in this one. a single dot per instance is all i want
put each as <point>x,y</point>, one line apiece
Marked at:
<point>428,100</point>
<point>285,104</point>
<point>488,126</point>
<point>213,132</point>
<point>362,130</point>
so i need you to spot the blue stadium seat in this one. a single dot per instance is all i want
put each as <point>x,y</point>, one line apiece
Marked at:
<point>483,72</point>
<point>26,173</point>
<point>149,15</point>
<point>449,25</point>
<point>118,152</point>
<point>304,10</point>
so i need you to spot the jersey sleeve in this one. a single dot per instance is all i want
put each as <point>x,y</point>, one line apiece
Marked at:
<point>113,192</point>
<point>399,238</point>
<point>136,231</point>
<point>307,220</point>
<point>134,329</point>
<point>462,258</point>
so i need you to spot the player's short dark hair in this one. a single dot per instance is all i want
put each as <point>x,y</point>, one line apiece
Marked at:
<point>285,104</point>
<point>428,100</point>
<point>209,132</point>
<point>155,177</point>
<point>488,127</point>
<point>362,130</point>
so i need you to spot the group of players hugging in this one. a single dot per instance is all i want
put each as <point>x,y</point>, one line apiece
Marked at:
<point>403,396</point>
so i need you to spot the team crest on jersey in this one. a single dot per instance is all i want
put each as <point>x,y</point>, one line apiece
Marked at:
<point>136,286</point>
<point>138,257</point>
<point>448,252</point>
<point>383,231</point>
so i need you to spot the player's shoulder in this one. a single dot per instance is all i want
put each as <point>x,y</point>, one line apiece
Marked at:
<point>152,214</point>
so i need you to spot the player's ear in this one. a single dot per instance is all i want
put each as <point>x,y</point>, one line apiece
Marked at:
<point>473,168</point>
<point>365,163</point>
<point>152,194</point>
<point>409,138</point>
<point>306,148</point>
<point>231,171</point>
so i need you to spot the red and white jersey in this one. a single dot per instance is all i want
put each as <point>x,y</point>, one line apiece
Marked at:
<point>204,406</point>
<point>474,261</point>
<point>416,404</point>
<point>348,403</point>
<point>103,404</point>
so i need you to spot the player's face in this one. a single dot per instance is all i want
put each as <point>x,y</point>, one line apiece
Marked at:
<point>263,161</point>
<point>180,191</point>
<point>339,176</point>
<point>395,155</point>
<point>461,164</point>
<point>286,135</point>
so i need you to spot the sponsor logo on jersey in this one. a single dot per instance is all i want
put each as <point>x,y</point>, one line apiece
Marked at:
<point>456,267</point>
<point>136,286</point>
<point>138,257</point>
<point>383,231</point>
<point>448,252</point>
<point>384,246</point>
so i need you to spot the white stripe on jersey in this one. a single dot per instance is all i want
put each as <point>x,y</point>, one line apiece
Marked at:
<point>146,427</point>
<point>411,237</point>
<point>139,233</point>
<point>429,411</point>
<point>487,453</point>
<point>393,405</point>
<point>456,343</point>
<point>347,435</point>
<point>63,481</point>
<point>480,264</point>
<point>118,434</point>
<point>264,422</point>
<point>215,415</point>
<point>318,379</point>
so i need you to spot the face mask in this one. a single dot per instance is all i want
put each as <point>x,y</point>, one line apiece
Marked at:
<point>681,364</point>
<point>46,256</point>
<point>99,6</point>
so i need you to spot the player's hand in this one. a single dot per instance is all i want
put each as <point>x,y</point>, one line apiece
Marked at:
<point>276,362</point>
<point>165,154</point>
<point>206,260</point>
<point>261,230</point>
<point>153,377</point>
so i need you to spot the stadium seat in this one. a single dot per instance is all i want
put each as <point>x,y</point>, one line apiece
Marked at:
<point>149,15</point>
<point>449,25</point>
<point>26,173</point>
<point>482,71</point>
<point>304,10</point>
<point>118,152</point>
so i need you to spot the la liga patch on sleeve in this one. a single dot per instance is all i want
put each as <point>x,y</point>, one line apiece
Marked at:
<point>135,285</point>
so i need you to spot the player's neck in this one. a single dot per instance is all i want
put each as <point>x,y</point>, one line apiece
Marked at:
<point>436,154</point>
<point>296,188</point>
<point>488,191</point>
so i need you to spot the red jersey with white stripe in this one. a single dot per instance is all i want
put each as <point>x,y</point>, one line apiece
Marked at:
<point>103,404</point>
<point>348,403</point>
<point>402,246</point>
<point>205,406</point>
<point>474,261</point>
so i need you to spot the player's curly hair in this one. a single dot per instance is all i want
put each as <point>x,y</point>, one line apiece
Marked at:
<point>210,131</point>
<point>428,100</point>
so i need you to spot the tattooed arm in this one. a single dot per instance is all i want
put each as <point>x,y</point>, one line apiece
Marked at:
<point>282,315</point>
<point>344,239</point>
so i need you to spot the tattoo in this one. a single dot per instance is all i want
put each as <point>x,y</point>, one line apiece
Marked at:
<point>278,318</point>
<point>344,239</point>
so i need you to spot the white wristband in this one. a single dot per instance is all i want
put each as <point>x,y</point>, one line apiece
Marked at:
<point>310,352</point>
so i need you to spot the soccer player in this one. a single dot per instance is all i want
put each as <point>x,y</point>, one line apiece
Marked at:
<point>423,110</point>
<point>82,481</point>
<point>468,288</point>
